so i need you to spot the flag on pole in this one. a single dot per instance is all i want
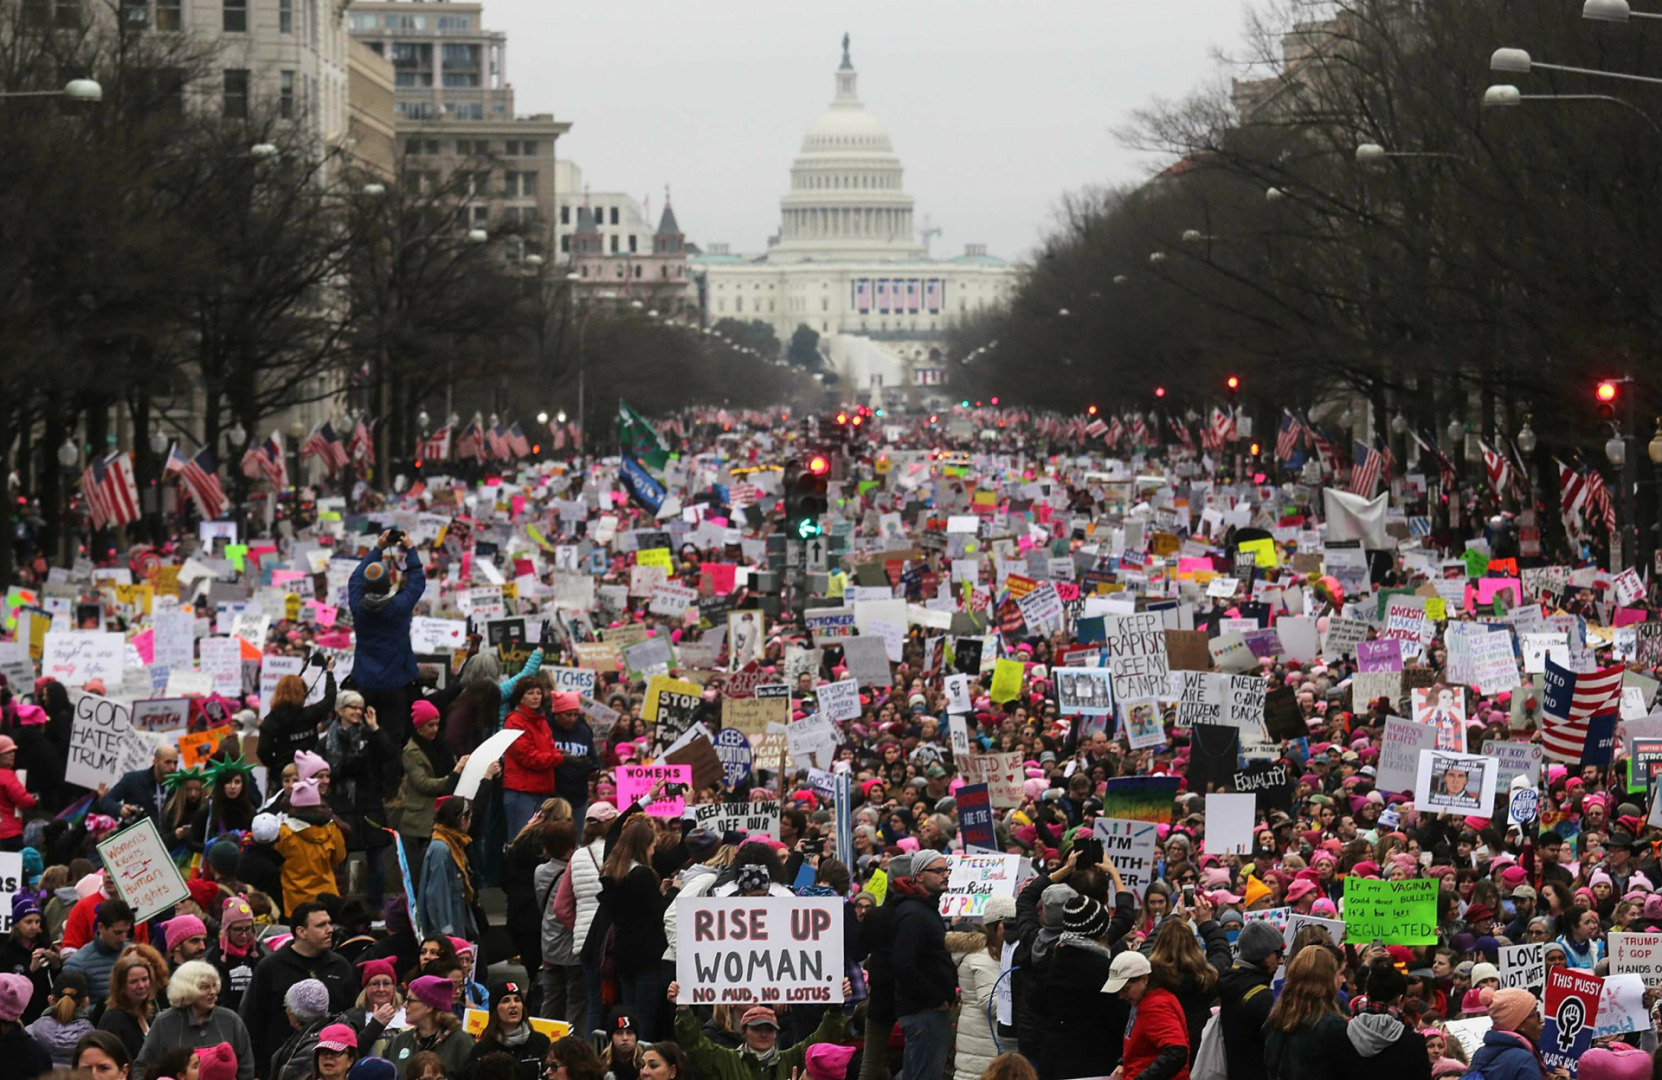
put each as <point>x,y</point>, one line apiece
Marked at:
<point>1498,468</point>
<point>200,478</point>
<point>324,444</point>
<point>436,447</point>
<point>517,441</point>
<point>496,437</point>
<point>1286,436</point>
<point>1445,468</point>
<point>470,443</point>
<point>111,491</point>
<point>1366,465</point>
<point>1116,432</point>
<point>362,443</point>
<point>640,439</point>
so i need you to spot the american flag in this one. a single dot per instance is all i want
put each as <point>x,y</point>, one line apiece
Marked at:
<point>1572,491</point>
<point>1445,468</point>
<point>1598,498</point>
<point>1097,428</point>
<point>559,433</point>
<point>1286,437</point>
<point>470,443</point>
<point>111,493</point>
<point>323,443</point>
<point>1366,466</point>
<point>1139,430</point>
<point>1325,451</point>
<point>267,460</point>
<point>1116,432</point>
<point>576,435</point>
<point>1498,467</point>
<point>436,447</point>
<point>1571,704</point>
<point>362,443</point>
<point>517,441</point>
<point>496,437</point>
<point>200,477</point>
<point>1181,430</point>
<point>1223,426</point>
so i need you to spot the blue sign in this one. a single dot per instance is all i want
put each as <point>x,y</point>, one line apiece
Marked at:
<point>734,751</point>
<point>975,817</point>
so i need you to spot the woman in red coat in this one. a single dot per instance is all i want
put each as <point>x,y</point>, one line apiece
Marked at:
<point>1157,1046</point>
<point>13,799</point>
<point>528,766</point>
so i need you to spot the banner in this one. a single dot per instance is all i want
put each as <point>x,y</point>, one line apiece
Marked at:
<point>766,949</point>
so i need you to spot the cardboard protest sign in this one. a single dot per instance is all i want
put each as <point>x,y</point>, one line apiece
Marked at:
<point>1283,718</point>
<point>1444,712</point>
<point>1459,784</point>
<point>761,949</point>
<point>700,753</point>
<point>141,870</point>
<point>1514,759</point>
<point>76,657</point>
<point>975,878</point>
<point>839,700</point>
<point>1638,954</point>
<point>1296,922</point>
<point>198,746</point>
<point>1137,655</point>
<point>1525,966</point>
<point>1084,691</point>
<point>1622,1007</point>
<point>161,715</point>
<point>1002,773</point>
<point>670,704</point>
<point>813,739</point>
<point>1200,700</point>
<point>1399,757</point>
<point>1395,912</point>
<point>102,743</point>
<point>1129,845</point>
<point>751,819</point>
<point>1271,783</point>
<point>753,715</point>
<point>1571,1012</point>
<point>11,878</point>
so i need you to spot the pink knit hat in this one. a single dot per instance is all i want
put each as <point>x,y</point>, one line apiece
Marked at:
<point>1510,1007</point>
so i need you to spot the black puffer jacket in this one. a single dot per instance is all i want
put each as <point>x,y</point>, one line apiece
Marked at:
<point>1386,1048</point>
<point>1084,1028</point>
<point>1246,997</point>
<point>924,975</point>
<point>1316,1051</point>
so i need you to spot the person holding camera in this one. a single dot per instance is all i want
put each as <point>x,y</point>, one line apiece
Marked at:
<point>385,663</point>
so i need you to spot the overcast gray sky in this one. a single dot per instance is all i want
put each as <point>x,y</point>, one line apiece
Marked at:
<point>996,108</point>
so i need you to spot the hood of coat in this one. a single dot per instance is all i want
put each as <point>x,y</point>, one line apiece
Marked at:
<point>964,942</point>
<point>1373,1033</point>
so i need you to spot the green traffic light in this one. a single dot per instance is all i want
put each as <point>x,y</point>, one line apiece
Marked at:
<point>964,403</point>
<point>807,527</point>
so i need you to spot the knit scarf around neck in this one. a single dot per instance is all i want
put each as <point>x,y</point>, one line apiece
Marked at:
<point>457,843</point>
<point>763,1059</point>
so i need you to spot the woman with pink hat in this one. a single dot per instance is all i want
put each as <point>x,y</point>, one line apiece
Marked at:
<point>13,798</point>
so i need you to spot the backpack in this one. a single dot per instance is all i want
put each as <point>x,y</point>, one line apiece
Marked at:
<point>556,938</point>
<point>1210,1060</point>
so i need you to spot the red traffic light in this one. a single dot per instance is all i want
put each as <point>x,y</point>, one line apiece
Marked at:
<point>842,418</point>
<point>818,465</point>
<point>995,401</point>
<point>1159,391</point>
<point>1091,411</point>
<point>1233,382</point>
<point>858,420</point>
<point>1253,450</point>
<point>1606,391</point>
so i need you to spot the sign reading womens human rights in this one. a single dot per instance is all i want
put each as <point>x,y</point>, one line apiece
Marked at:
<point>141,869</point>
<point>736,950</point>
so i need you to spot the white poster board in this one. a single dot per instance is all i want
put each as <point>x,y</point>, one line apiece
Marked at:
<point>489,751</point>
<point>759,949</point>
<point>974,878</point>
<point>141,869</point>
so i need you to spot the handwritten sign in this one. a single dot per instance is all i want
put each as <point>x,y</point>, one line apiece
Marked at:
<point>1395,912</point>
<point>634,781</point>
<point>141,869</point>
<point>99,743</point>
<point>759,949</point>
<point>76,657</point>
<point>1137,655</point>
<point>973,879</point>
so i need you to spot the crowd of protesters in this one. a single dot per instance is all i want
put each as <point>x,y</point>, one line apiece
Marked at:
<point>283,965</point>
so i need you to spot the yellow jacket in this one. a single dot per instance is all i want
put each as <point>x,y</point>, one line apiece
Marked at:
<point>310,854</point>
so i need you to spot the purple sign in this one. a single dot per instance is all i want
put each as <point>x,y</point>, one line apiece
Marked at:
<point>1382,655</point>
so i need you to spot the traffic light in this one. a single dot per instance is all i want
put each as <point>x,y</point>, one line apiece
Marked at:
<point>806,484</point>
<point>1606,394</point>
<point>1233,384</point>
<point>1091,411</point>
<point>1253,450</point>
<point>1159,391</point>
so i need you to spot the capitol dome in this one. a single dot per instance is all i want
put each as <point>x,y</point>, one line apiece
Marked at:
<point>846,200</point>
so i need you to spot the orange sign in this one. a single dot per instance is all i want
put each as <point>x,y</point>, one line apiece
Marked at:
<point>197,747</point>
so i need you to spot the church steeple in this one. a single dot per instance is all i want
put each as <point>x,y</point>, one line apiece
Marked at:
<point>846,78</point>
<point>669,239</point>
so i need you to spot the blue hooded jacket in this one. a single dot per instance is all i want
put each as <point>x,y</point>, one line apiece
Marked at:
<point>385,660</point>
<point>1505,1055</point>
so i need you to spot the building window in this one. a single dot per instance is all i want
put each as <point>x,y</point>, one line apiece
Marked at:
<point>467,110</point>
<point>235,20</point>
<point>565,243</point>
<point>479,184</point>
<point>614,215</point>
<point>637,271</point>
<point>481,216</point>
<point>285,95</point>
<point>633,247</point>
<point>614,243</point>
<point>169,16</point>
<point>417,110</point>
<point>463,80</point>
<point>357,20</point>
<point>738,303</point>
<point>236,93</point>
<point>565,215</point>
<point>518,184</point>
<point>825,303</point>
<point>455,22</point>
<point>285,16</point>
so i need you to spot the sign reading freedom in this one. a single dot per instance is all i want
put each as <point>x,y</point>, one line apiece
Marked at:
<point>1394,912</point>
<point>735,949</point>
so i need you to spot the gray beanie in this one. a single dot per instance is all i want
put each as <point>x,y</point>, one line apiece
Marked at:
<point>900,866</point>
<point>924,858</point>
<point>308,1000</point>
<point>1258,941</point>
<point>1054,901</point>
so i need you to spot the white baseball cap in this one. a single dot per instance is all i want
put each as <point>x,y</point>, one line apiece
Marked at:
<point>1126,966</point>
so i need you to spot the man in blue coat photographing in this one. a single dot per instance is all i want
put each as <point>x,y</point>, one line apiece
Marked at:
<point>384,669</point>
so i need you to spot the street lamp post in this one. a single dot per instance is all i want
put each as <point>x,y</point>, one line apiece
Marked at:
<point>1505,97</point>
<point>237,436</point>
<point>69,455</point>
<point>73,90</point>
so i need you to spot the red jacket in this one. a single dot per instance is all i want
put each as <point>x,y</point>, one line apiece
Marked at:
<point>1159,1023</point>
<point>13,801</point>
<point>528,765</point>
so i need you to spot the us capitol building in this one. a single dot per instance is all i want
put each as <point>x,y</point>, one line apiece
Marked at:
<point>847,262</point>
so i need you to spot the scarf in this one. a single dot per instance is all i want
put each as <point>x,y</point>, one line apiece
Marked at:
<point>439,757</point>
<point>457,843</point>
<point>765,1060</point>
<point>515,1038</point>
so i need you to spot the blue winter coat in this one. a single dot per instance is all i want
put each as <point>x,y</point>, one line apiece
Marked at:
<point>1506,1055</point>
<point>385,660</point>
<point>442,896</point>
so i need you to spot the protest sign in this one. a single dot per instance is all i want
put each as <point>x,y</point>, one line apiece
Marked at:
<point>1200,699</point>
<point>1459,784</point>
<point>1244,705</point>
<point>830,624</point>
<point>1514,759</point>
<point>480,761</point>
<point>161,714</point>
<point>1571,1013</point>
<point>1271,783</point>
<point>1524,966</point>
<point>759,949</point>
<point>197,747</point>
<point>752,819</point>
<point>1296,922</point>
<point>1399,757</point>
<point>1137,655</point>
<point>753,715</point>
<point>1129,845</point>
<point>813,740</point>
<point>1140,798</point>
<point>733,750</point>
<point>101,743</point>
<point>1083,691</point>
<point>634,782</point>
<point>1002,773</point>
<point>11,883</point>
<point>670,704</point>
<point>1395,912</point>
<point>839,700</point>
<point>474,1021</point>
<point>141,869</point>
<point>1445,712</point>
<point>975,818</point>
<point>1638,954</point>
<point>1622,1007</point>
<point>1141,724</point>
<point>1229,819</point>
<point>76,657</point>
<point>577,680</point>
<point>975,878</point>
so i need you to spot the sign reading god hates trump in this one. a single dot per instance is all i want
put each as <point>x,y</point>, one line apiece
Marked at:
<point>759,949</point>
